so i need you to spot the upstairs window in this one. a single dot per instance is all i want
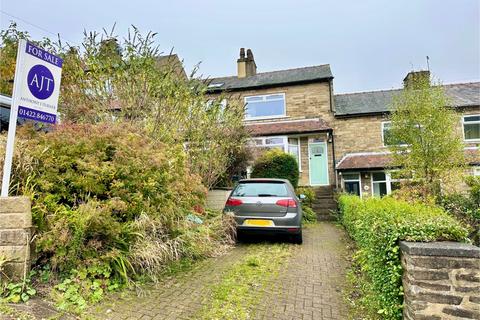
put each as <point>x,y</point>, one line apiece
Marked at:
<point>223,103</point>
<point>471,127</point>
<point>266,106</point>
<point>387,138</point>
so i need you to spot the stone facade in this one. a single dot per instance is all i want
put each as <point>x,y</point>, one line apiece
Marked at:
<point>441,280</point>
<point>15,233</point>
<point>358,134</point>
<point>302,101</point>
<point>352,133</point>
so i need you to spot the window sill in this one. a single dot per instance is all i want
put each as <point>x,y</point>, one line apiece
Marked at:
<point>265,118</point>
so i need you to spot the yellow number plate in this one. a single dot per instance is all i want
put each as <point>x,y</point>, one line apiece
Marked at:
<point>258,223</point>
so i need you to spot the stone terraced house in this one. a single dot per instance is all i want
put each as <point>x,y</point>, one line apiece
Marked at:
<point>338,139</point>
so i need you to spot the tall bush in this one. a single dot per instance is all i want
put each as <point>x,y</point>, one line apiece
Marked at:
<point>377,226</point>
<point>466,206</point>
<point>110,78</point>
<point>100,190</point>
<point>276,164</point>
<point>426,145</point>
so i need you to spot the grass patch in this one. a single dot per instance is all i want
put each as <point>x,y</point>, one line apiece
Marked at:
<point>16,314</point>
<point>240,287</point>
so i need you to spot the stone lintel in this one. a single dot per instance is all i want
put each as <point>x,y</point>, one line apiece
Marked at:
<point>440,248</point>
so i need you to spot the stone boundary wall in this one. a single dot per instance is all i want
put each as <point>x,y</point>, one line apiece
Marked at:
<point>216,198</point>
<point>15,233</point>
<point>441,280</point>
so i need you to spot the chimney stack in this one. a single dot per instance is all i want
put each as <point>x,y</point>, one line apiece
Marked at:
<point>417,78</point>
<point>246,66</point>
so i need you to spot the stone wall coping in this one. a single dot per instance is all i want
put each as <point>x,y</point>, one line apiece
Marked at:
<point>15,204</point>
<point>440,248</point>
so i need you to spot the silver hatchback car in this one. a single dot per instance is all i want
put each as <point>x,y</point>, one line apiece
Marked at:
<point>267,206</point>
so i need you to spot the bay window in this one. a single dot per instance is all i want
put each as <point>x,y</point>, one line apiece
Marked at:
<point>288,145</point>
<point>384,183</point>
<point>379,184</point>
<point>351,183</point>
<point>265,106</point>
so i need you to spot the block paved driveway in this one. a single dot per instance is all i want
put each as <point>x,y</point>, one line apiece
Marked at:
<point>310,286</point>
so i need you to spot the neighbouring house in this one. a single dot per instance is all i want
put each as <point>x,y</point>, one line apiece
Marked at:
<point>338,139</point>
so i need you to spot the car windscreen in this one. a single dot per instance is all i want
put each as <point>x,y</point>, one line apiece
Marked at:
<point>261,189</point>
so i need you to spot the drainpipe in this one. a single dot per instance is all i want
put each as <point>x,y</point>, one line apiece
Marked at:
<point>333,155</point>
<point>330,89</point>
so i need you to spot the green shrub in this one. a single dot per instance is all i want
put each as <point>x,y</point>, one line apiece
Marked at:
<point>309,194</point>
<point>377,226</point>
<point>105,200</point>
<point>309,215</point>
<point>466,207</point>
<point>276,164</point>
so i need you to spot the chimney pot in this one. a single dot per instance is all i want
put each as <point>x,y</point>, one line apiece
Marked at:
<point>246,67</point>
<point>250,54</point>
<point>242,53</point>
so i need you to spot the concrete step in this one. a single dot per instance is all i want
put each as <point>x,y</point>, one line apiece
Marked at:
<point>328,203</point>
<point>323,190</point>
<point>325,218</point>
<point>324,205</point>
<point>326,215</point>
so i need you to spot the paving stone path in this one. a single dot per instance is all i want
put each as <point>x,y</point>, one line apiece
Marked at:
<point>309,287</point>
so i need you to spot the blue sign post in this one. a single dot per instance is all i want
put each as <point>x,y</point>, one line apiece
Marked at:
<point>36,90</point>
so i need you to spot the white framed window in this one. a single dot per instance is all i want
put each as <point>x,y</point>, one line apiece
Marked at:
<point>380,186</point>
<point>352,183</point>
<point>265,106</point>
<point>471,127</point>
<point>294,150</point>
<point>284,143</point>
<point>476,171</point>
<point>223,103</point>
<point>386,135</point>
<point>383,183</point>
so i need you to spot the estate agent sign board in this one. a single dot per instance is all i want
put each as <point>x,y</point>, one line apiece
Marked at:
<point>35,94</point>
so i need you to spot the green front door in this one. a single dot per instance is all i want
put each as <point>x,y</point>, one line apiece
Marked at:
<point>318,163</point>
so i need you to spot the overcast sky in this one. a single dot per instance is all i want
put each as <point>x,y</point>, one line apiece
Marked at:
<point>370,45</point>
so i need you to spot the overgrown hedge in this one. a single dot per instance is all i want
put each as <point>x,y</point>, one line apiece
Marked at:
<point>466,206</point>
<point>276,164</point>
<point>377,226</point>
<point>110,205</point>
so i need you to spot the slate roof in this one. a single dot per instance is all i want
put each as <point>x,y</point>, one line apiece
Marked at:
<point>381,160</point>
<point>287,127</point>
<point>365,161</point>
<point>462,94</point>
<point>271,79</point>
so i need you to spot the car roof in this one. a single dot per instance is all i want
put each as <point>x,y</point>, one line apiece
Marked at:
<point>264,180</point>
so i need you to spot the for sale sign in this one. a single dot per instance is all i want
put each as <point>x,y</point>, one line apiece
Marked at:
<point>39,87</point>
<point>36,88</point>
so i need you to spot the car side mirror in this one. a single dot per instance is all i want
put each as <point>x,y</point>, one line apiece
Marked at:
<point>302,197</point>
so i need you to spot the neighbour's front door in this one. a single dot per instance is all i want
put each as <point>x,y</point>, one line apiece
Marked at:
<point>318,164</point>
